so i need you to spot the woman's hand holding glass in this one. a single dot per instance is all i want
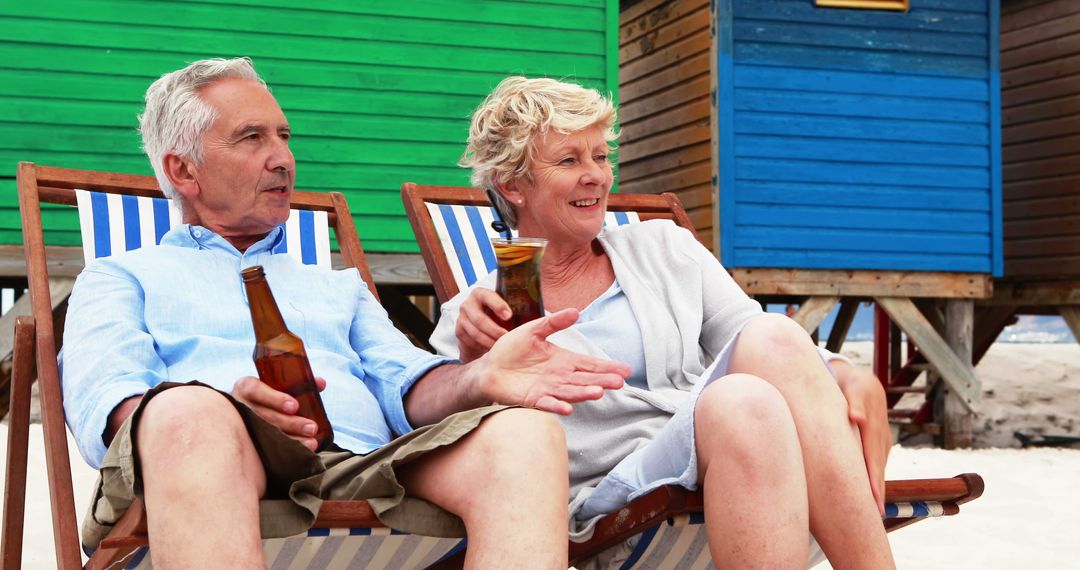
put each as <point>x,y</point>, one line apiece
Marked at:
<point>477,328</point>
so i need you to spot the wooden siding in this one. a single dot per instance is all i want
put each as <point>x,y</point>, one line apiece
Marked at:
<point>378,93</point>
<point>860,139</point>
<point>1040,80</point>
<point>664,112</point>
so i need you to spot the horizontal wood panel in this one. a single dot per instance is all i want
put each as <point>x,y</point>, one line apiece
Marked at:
<point>650,15</point>
<point>662,163</point>
<point>1017,14</point>
<point>864,195</point>
<point>809,102</point>
<point>1060,166</point>
<point>1025,208</point>
<point>664,142</point>
<point>1042,71</point>
<point>669,55</point>
<point>749,122</point>
<point>856,151</point>
<point>1050,89</point>
<point>827,35</point>
<point>1042,51</point>
<point>852,59</point>
<point>1051,267</point>
<point>665,80</point>
<point>693,24</point>
<point>1058,146</point>
<point>1040,32</point>
<point>855,240</point>
<point>696,111</point>
<point>762,281</point>
<point>1062,245</point>
<point>699,196</point>
<point>1017,115</point>
<point>1058,225</point>
<point>827,216</point>
<point>823,171</point>
<point>1051,127</point>
<point>1040,188</point>
<point>964,22</point>
<point>640,105</point>
<point>860,82</point>
<point>848,260</point>
<point>673,180</point>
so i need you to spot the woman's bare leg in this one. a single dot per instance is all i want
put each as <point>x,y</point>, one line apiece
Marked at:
<point>751,466</point>
<point>843,514</point>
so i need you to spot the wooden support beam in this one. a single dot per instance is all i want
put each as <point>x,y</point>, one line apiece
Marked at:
<point>813,311</point>
<point>60,289</point>
<point>842,324</point>
<point>959,326</point>
<point>769,281</point>
<point>1038,293</point>
<point>1072,318</point>
<point>957,374</point>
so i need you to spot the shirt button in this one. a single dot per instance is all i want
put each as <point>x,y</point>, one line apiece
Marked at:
<point>198,233</point>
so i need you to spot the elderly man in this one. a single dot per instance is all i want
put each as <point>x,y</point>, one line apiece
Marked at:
<point>159,390</point>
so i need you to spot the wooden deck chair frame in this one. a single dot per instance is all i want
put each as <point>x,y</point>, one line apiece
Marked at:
<point>667,502</point>
<point>36,347</point>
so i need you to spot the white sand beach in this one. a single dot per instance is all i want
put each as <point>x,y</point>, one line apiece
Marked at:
<point>1027,517</point>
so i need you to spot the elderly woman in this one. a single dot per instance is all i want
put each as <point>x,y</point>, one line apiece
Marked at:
<point>722,395</point>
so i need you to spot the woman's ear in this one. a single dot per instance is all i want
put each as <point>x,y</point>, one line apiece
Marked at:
<point>179,171</point>
<point>511,192</point>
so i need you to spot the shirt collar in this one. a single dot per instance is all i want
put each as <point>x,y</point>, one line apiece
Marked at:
<point>199,237</point>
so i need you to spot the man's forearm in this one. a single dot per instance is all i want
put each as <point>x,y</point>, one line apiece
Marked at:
<point>444,390</point>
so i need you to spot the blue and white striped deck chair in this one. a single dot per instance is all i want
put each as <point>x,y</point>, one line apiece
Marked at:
<point>113,223</point>
<point>453,228</point>
<point>346,534</point>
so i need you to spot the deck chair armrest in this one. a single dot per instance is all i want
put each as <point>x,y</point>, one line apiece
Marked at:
<point>640,514</point>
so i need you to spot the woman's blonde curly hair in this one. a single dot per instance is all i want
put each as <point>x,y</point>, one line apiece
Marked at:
<point>520,109</point>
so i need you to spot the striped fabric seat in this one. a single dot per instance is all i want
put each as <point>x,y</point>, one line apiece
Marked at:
<point>465,233</point>
<point>345,549</point>
<point>113,223</point>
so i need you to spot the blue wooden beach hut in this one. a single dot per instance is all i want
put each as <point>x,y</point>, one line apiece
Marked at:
<point>853,151</point>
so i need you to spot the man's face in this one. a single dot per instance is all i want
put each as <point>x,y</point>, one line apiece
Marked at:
<point>243,186</point>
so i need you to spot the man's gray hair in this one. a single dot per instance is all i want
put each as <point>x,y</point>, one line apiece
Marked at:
<point>176,118</point>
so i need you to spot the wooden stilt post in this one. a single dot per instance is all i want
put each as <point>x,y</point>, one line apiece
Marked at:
<point>958,420</point>
<point>882,328</point>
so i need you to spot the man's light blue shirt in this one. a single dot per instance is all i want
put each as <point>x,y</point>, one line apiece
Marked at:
<point>178,312</point>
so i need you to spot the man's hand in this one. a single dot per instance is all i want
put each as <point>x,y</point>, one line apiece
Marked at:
<point>475,329</point>
<point>523,368</point>
<point>278,408</point>
<point>868,410</point>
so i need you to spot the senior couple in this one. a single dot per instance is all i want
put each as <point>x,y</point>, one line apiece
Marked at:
<point>650,368</point>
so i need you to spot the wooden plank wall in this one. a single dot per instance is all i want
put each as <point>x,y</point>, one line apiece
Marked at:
<point>378,93</point>
<point>863,138</point>
<point>664,111</point>
<point>1040,81</point>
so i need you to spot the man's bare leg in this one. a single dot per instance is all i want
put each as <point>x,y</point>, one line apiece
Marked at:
<point>508,481</point>
<point>751,466</point>
<point>202,480</point>
<point>843,514</point>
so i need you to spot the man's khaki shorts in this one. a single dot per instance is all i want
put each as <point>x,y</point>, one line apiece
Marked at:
<point>297,479</point>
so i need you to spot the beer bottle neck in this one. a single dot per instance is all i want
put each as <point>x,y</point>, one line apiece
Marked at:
<point>265,315</point>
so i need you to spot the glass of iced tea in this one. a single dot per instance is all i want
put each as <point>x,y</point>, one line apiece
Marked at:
<point>518,277</point>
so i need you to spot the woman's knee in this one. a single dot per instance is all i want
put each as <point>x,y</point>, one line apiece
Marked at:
<point>776,334</point>
<point>745,418</point>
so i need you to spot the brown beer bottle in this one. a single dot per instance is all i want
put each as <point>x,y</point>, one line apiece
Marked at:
<point>280,357</point>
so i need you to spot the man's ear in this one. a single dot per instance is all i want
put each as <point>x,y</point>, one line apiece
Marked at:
<point>179,171</point>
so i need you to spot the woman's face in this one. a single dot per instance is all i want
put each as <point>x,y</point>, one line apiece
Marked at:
<point>568,196</point>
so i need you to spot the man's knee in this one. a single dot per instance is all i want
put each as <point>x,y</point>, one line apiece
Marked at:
<point>524,430</point>
<point>185,418</point>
